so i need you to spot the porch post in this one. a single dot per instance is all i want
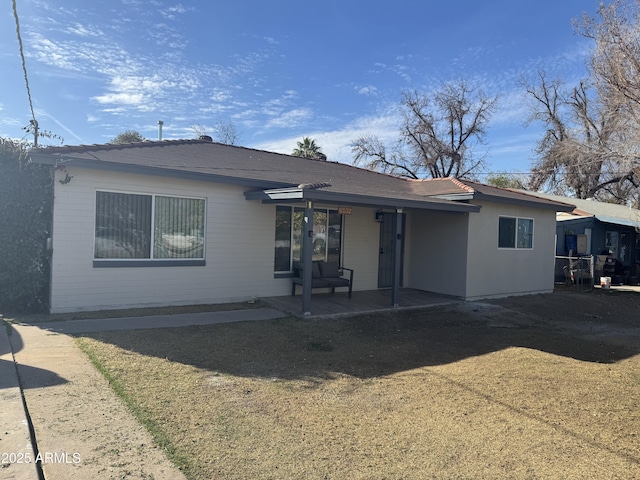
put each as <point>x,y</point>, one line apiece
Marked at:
<point>307,252</point>
<point>397,261</point>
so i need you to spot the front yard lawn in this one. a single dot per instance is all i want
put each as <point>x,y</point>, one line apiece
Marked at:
<point>469,391</point>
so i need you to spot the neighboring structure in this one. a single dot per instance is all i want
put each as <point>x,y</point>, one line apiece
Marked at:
<point>191,222</point>
<point>607,227</point>
<point>600,229</point>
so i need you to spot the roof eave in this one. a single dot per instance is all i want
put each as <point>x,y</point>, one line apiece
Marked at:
<point>297,194</point>
<point>549,205</point>
<point>618,221</point>
<point>454,196</point>
<point>57,160</point>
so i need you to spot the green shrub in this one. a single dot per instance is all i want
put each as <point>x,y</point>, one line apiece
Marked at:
<point>26,203</point>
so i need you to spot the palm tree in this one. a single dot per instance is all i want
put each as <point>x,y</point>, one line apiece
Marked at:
<point>308,148</point>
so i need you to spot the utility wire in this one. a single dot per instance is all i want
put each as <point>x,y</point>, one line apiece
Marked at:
<point>34,122</point>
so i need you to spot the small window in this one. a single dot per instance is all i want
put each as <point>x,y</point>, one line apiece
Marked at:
<point>132,226</point>
<point>507,232</point>
<point>515,232</point>
<point>525,233</point>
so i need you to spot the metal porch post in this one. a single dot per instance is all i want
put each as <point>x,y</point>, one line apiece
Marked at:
<point>307,252</point>
<point>397,262</point>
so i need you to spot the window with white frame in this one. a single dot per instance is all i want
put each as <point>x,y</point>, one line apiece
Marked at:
<point>148,227</point>
<point>515,232</point>
<point>327,238</point>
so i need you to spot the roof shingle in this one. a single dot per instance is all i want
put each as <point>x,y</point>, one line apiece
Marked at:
<point>257,167</point>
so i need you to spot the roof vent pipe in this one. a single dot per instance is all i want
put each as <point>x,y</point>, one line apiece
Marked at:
<point>160,123</point>
<point>205,138</point>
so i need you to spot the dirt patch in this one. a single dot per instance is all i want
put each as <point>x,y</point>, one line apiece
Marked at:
<point>545,386</point>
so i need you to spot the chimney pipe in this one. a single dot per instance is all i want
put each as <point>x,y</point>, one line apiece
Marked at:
<point>160,123</point>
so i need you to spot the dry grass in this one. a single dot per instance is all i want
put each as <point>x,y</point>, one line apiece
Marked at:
<point>475,391</point>
<point>129,312</point>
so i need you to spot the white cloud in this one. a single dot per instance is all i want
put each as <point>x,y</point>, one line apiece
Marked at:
<point>512,108</point>
<point>51,53</point>
<point>171,12</point>
<point>83,31</point>
<point>121,98</point>
<point>141,92</point>
<point>220,95</point>
<point>291,119</point>
<point>215,109</point>
<point>368,90</point>
<point>401,71</point>
<point>336,144</point>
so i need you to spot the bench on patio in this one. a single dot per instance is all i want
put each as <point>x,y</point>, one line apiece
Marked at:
<point>323,275</point>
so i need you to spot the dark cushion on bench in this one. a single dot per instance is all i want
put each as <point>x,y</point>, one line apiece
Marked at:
<point>324,274</point>
<point>330,270</point>
<point>315,282</point>
<point>315,270</point>
<point>337,282</point>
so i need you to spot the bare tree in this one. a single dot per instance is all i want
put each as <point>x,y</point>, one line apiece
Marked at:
<point>615,69</point>
<point>437,137</point>
<point>199,130</point>
<point>592,143</point>
<point>573,150</point>
<point>615,60</point>
<point>223,132</point>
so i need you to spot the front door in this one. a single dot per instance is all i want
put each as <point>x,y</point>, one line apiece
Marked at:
<point>387,242</point>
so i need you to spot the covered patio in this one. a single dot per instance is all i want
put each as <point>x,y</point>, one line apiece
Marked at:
<point>311,194</point>
<point>332,304</point>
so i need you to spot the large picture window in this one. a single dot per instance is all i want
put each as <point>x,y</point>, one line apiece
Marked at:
<point>148,227</point>
<point>515,232</point>
<point>327,237</point>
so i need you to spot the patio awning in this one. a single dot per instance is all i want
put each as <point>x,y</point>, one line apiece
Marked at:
<point>302,193</point>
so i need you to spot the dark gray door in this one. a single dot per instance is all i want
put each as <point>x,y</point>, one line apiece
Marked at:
<point>387,243</point>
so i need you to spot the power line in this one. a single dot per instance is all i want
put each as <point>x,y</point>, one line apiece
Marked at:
<point>34,122</point>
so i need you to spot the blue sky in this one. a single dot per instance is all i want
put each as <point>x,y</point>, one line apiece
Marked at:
<point>278,70</point>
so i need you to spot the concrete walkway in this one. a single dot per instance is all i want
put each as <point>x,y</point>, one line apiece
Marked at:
<point>15,441</point>
<point>82,428</point>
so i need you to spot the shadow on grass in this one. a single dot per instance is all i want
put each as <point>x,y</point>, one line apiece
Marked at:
<point>364,346</point>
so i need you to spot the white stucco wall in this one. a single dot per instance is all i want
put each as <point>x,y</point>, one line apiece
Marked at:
<point>240,241</point>
<point>239,248</point>
<point>452,254</point>
<point>436,257</point>
<point>494,272</point>
<point>361,247</point>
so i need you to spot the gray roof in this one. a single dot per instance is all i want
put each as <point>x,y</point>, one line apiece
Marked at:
<point>276,177</point>
<point>451,188</point>
<point>605,212</point>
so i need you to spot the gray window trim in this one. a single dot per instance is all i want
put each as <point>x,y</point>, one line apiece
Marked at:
<point>148,263</point>
<point>151,262</point>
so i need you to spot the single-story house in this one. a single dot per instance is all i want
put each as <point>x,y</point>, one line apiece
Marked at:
<point>599,229</point>
<point>194,222</point>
